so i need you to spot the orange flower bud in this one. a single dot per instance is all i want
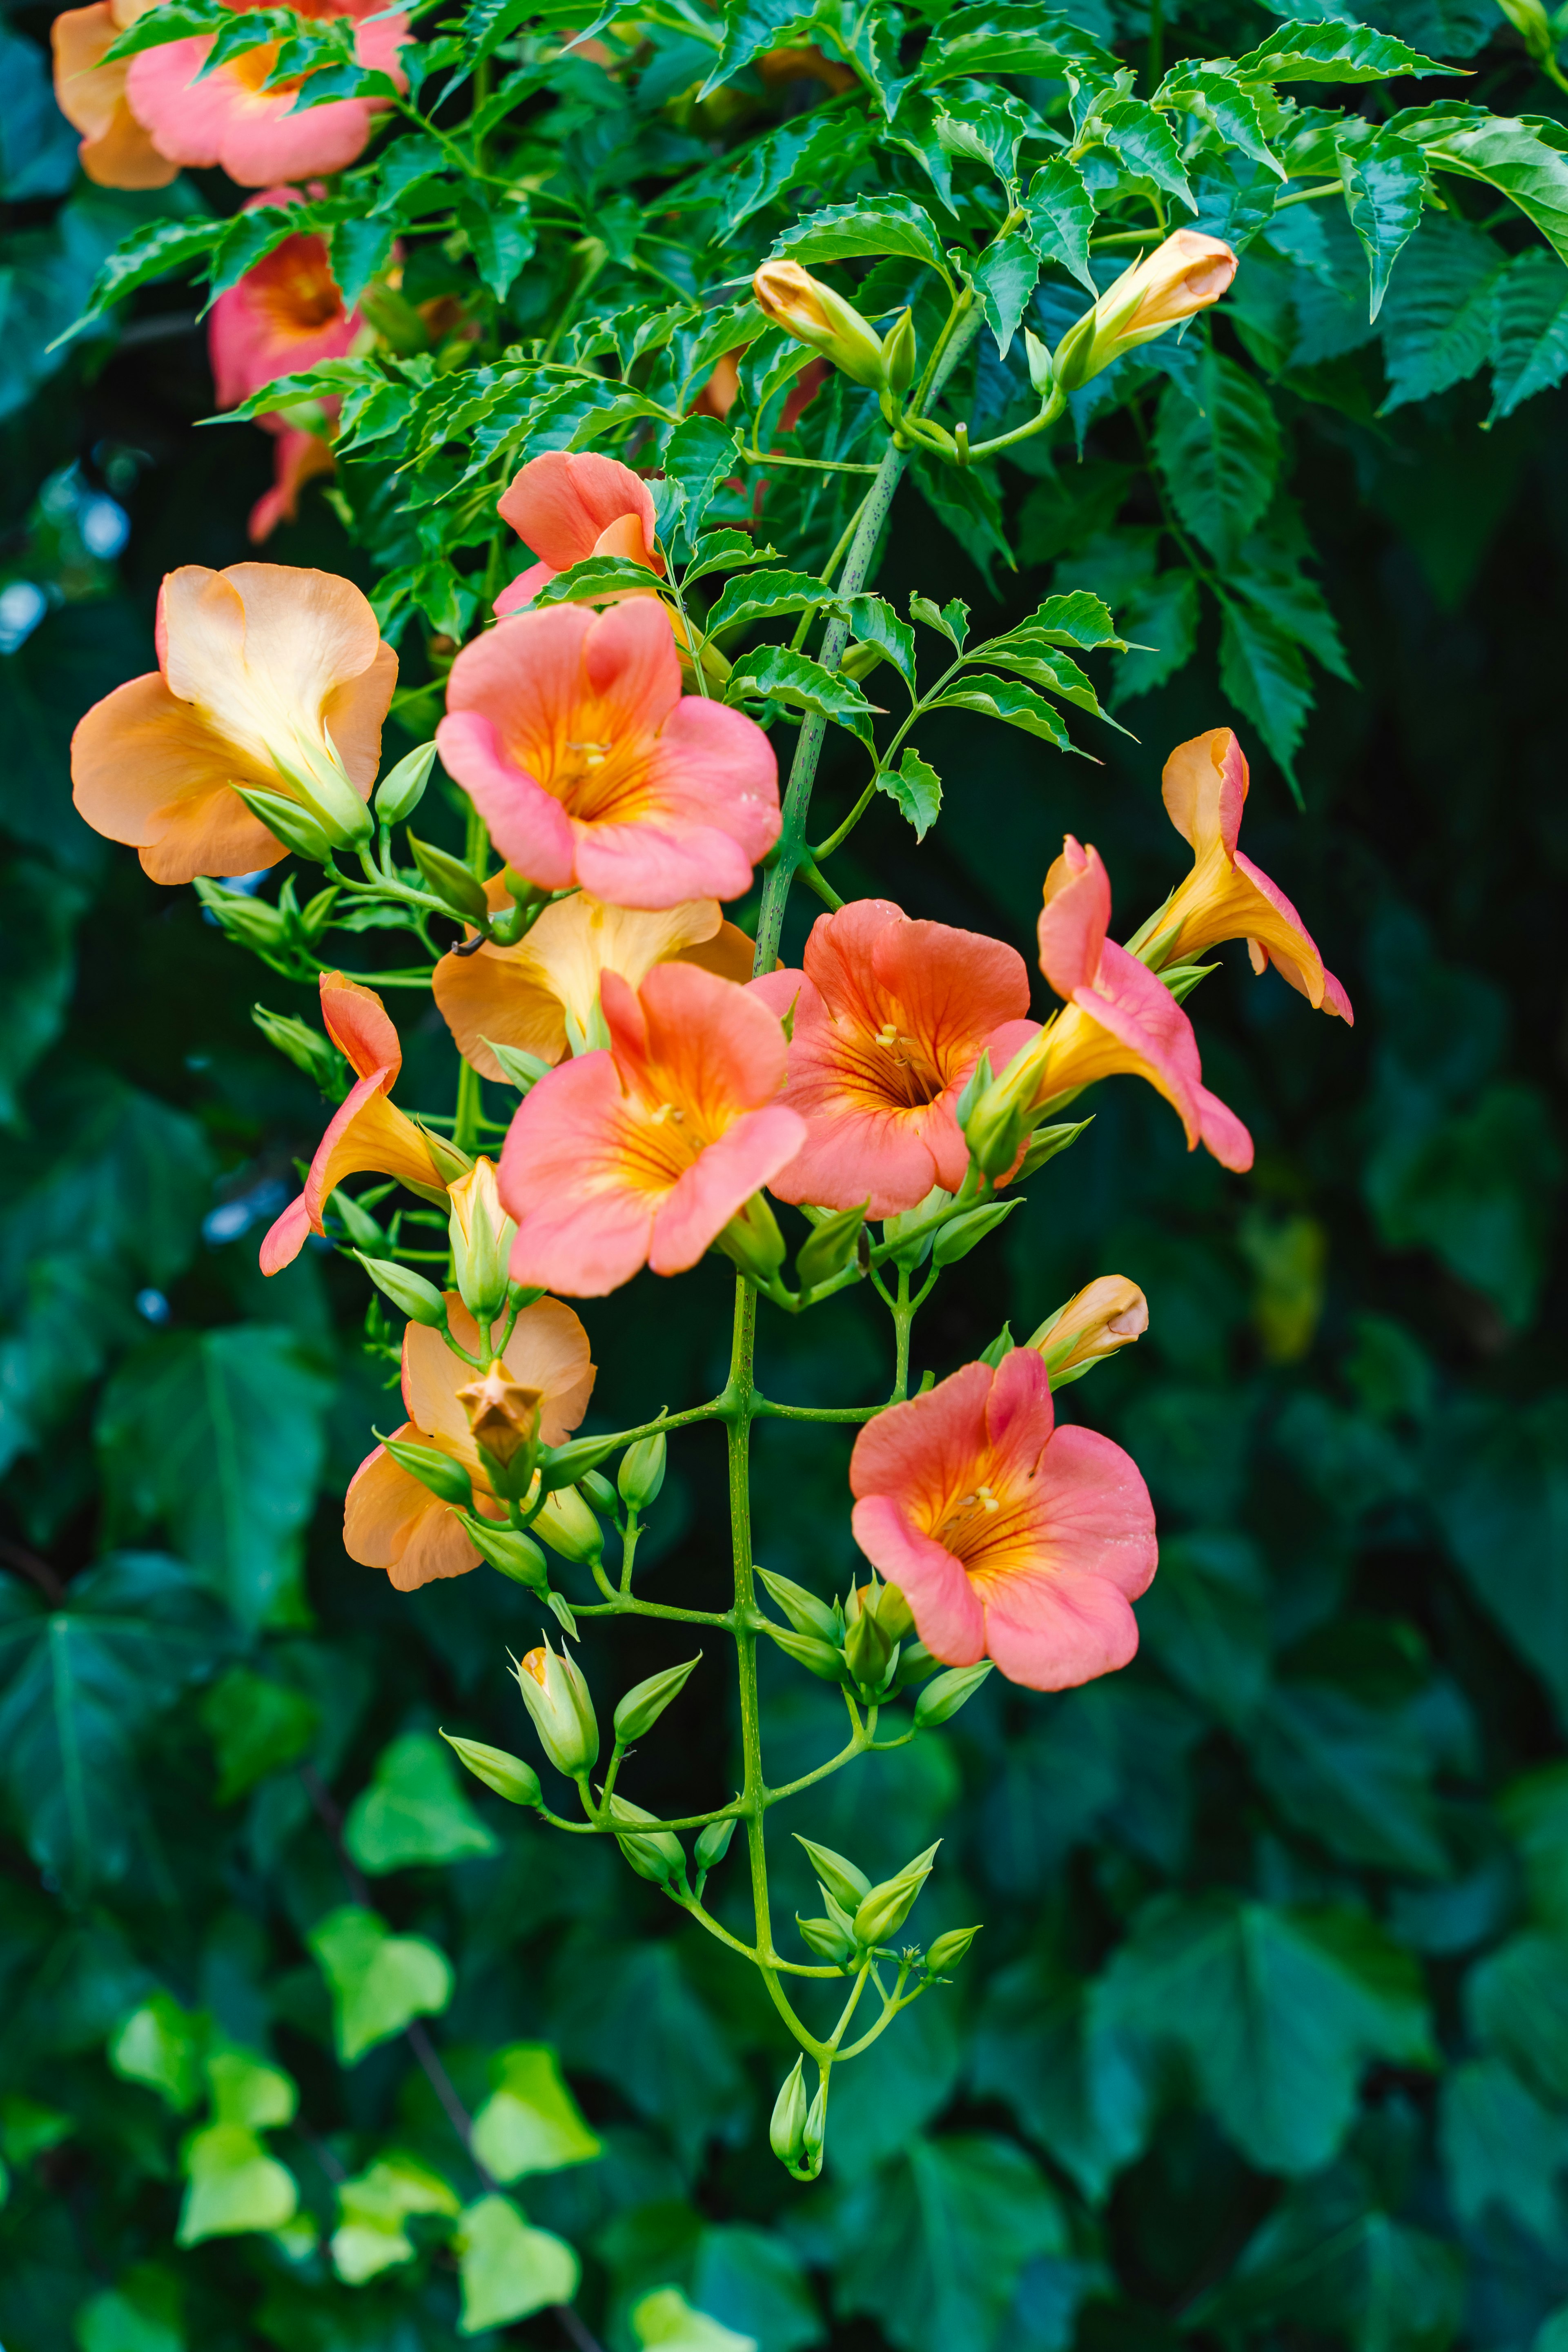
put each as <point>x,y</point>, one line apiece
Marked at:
<point>1184,275</point>
<point>790,297</point>
<point>1103,1317</point>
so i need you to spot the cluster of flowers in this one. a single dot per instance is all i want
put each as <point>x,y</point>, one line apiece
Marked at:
<point>145,117</point>
<point>896,1065</point>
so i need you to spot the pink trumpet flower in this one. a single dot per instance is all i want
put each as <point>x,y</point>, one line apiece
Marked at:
<point>228,118</point>
<point>589,766</point>
<point>567,507</point>
<point>890,1017</point>
<point>366,1132</point>
<point>1226,896</point>
<point>117,150</point>
<point>1009,1537</point>
<point>642,1153</point>
<point>1118,1017</point>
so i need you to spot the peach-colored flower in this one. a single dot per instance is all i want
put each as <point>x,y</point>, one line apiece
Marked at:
<point>1010,1538</point>
<point>540,995</point>
<point>1226,896</point>
<point>641,1154</point>
<point>1118,1017</point>
<point>589,765</point>
<point>890,1017</point>
<point>1185,273</point>
<point>117,150</point>
<point>366,1131</point>
<point>390,1520</point>
<point>266,677</point>
<point>229,118</point>
<point>1104,1316</point>
<point>567,507</point>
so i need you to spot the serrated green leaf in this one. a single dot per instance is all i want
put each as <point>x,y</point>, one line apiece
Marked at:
<point>1384,177</point>
<point>873,622</point>
<point>725,551</point>
<point>1530,331</point>
<point>801,683</point>
<point>1333,51</point>
<point>916,787</point>
<point>157,251</point>
<point>1212,95</point>
<point>1059,219</point>
<point>1008,699</point>
<point>501,238</point>
<point>1006,276</point>
<point>1219,450</point>
<point>1010,38</point>
<point>766,595</point>
<point>1524,161</point>
<point>1262,669</point>
<point>700,455</point>
<point>1141,140</point>
<point>1437,319</point>
<point>872,225</point>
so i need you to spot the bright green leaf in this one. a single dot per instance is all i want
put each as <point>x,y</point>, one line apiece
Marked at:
<point>530,2122</point>
<point>379,1982</point>
<point>509,2271</point>
<point>916,787</point>
<point>235,2187</point>
<point>415,1811</point>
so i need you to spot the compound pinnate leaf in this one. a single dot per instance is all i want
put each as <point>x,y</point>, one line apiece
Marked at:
<point>1530,331</point>
<point>415,1811</point>
<point>873,225</point>
<point>379,1982</point>
<point>1219,451</point>
<point>530,2122</point>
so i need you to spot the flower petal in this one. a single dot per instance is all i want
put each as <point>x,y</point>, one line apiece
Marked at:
<point>561,504</point>
<point>391,1521</point>
<point>947,1611</point>
<point>719,1183</point>
<point>1204,787</point>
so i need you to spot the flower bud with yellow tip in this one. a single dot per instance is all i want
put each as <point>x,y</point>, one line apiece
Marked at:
<point>1185,275</point>
<point>790,297</point>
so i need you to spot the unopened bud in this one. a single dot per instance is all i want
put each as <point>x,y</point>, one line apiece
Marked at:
<point>942,1698</point>
<point>790,298</point>
<point>1184,275</point>
<point>949,1949</point>
<point>450,1161</point>
<point>998,1119</point>
<point>838,1879</point>
<point>899,354</point>
<point>829,1248</point>
<point>1046,1141</point>
<point>817,2131</point>
<point>869,1652</point>
<point>504,1417</point>
<point>831,1940</point>
<point>1106,1315</point>
<point>298,829</point>
<point>641,1474</point>
<point>643,1704</point>
<point>568,1465</point>
<point>787,2131</point>
<point>250,920</point>
<point>409,1292</point>
<point>444,1479</point>
<point>509,1775</point>
<point>655,1853</point>
<point>569,1526</point>
<point>510,1551</point>
<point>752,1239</point>
<point>316,774</point>
<point>713,1843</point>
<point>806,1613</point>
<point>556,1696</point>
<point>482,1235</point>
<point>884,1910</point>
<point>819,1658</point>
<point>401,788</point>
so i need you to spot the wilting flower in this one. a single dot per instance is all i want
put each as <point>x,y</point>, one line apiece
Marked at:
<point>285,314</point>
<point>1226,896</point>
<point>116,150</point>
<point>266,677</point>
<point>1185,273</point>
<point>540,995</point>
<point>1118,1017</point>
<point>790,297</point>
<point>228,118</point>
<point>390,1520</point>
<point>1106,1315</point>
<point>890,1017</point>
<point>642,1154</point>
<point>366,1132</point>
<point>589,766</point>
<point>566,507</point>
<point>1010,1538</point>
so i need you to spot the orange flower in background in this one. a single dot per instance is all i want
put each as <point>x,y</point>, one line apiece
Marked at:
<point>1118,1017</point>
<point>390,1520</point>
<point>117,150</point>
<point>266,677</point>
<point>570,732</point>
<point>1184,275</point>
<point>227,116</point>
<point>567,507</point>
<point>540,994</point>
<point>1009,1537</point>
<point>298,458</point>
<point>367,1132</point>
<point>890,1017</point>
<point>642,1154</point>
<point>1226,896</point>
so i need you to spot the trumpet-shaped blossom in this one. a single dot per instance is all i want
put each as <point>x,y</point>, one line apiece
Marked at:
<point>390,1520</point>
<point>366,1131</point>
<point>298,458</point>
<point>1226,896</point>
<point>266,674</point>
<point>1009,1537</point>
<point>1118,1017</point>
<point>641,1154</point>
<point>116,150</point>
<point>589,766</point>
<point>540,994</point>
<point>228,118</point>
<point>890,1017</point>
<point>567,507</point>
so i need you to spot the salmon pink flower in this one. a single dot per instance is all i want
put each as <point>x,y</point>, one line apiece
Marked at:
<point>1118,1017</point>
<point>567,507</point>
<point>298,458</point>
<point>366,1131</point>
<point>541,995</point>
<point>588,765</point>
<point>228,118</point>
<point>890,1017</point>
<point>642,1154</point>
<point>1009,1539</point>
<point>117,150</point>
<point>266,677</point>
<point>1226,896</point>
<point>390,1520</point>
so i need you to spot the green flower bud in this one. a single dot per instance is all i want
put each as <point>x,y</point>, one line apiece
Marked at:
<point>565,1465</point>
<point>884,1910</point>
<point>325,787</point>
<point>829,1248</point>
<point>817,2131</point>
<point>402,789</point>
<point>713,1843</point>
<point>305,1047</point>
<point>482,1235</point>
<point>656,1854</point>
<point>510,1551</point>
<point>358,1224</point>
<point>753,1240</point>
<point>569,1526</point>
<point>297,828</point>
<point>826,1939</point>
<point>806,1613</point>
<point>956,1240</point>
<point>556,1696</point>
<point>787,2131</point>
<point>409,1292</point>
<point>1042,372</point>
<point>520,1070</point>
<point>868,1653</point>
<point>448,879</point>
<point>915,1663</point>
<point>949,1949</point>
<point>838,1879</point>
<point>251,921</point>
<point>942,1698</point>
<point>899,354</point>
<point>643,1704</point>
<point>599,1490</point>
<point>451,1163</point>
<point>1045,1142</point>
<point>509,1775</point>
<point>438,1471</point>
<point>641,1474</point>
<point>998,1118</point>
<point>818,1658</point>
<point>789,297</point>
